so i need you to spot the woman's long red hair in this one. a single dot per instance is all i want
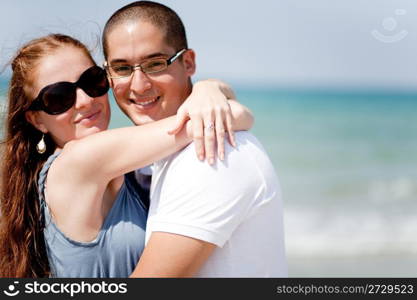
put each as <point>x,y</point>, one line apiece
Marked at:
<point>22,245</point>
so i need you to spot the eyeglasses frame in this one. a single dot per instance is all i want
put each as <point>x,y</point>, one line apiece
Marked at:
<point>133,68</point>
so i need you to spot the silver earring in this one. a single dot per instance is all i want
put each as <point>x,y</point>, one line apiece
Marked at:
<point>41,146</point>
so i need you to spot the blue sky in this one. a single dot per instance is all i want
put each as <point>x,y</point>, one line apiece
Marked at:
<point>306,43</point>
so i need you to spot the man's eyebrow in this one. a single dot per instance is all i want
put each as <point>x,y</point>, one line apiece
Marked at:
<point>153,55</point>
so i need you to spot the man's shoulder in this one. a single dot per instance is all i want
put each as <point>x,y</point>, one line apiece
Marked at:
<point>249,155</point>
<point>244,139</point>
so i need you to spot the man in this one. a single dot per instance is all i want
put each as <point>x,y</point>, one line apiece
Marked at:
<point>223,220</point>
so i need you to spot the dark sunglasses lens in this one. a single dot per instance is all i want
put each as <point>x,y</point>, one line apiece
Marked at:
<point>94,82</point>
<point>59,97</point>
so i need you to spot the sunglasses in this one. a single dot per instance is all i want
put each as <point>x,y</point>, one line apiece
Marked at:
<point>56,98</point>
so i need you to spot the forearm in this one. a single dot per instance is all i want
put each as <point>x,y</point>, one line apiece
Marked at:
<point>215,83</point>
<point>115,152</point>
<point>210,91</point>
<point>216,89</point>
<point>242,117</point>
<point>172,255</point>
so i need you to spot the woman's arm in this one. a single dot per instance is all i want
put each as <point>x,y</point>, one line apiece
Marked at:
<point>103,156</point>
<point>112,153</point>
<point>242,117</point>
<point>223,86</point>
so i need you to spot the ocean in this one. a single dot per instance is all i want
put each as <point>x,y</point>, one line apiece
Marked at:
<point>347,166</point>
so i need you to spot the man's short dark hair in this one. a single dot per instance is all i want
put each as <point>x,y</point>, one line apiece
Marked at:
<point>157,14</point>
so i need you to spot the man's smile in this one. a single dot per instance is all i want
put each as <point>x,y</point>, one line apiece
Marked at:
<point>145,102</point>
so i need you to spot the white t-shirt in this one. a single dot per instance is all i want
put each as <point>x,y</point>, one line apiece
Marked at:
<point>235,204</point>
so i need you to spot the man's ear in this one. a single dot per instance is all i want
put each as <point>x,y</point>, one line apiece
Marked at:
<point>110,80</point>
<point>189,62</point>
<point>33,118</point>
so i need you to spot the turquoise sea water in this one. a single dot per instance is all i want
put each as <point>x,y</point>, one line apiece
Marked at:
<point>348,170</point>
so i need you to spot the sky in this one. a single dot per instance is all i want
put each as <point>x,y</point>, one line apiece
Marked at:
<point>289,43</point>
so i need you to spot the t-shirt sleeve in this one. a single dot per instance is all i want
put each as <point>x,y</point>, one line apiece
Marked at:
<point>206,202</point>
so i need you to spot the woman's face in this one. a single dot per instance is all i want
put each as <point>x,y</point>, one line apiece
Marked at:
<point>87,116</point>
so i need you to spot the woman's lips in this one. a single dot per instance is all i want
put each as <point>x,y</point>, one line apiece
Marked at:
<point>90,118</point>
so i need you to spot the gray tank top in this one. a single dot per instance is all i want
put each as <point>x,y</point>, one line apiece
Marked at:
<point>118,245</point>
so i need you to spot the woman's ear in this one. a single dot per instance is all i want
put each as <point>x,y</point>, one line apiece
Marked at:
<point>189,62</point>
<point>33,118</point>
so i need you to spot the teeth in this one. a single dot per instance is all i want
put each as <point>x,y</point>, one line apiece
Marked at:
<point>147,102</point>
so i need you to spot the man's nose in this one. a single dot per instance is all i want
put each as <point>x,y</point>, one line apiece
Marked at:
<point>140,81</point>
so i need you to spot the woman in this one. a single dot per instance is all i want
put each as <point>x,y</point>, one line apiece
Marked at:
<point>66,207</point>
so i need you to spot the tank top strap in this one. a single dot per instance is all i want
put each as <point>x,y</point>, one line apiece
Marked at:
<point>42,178</point>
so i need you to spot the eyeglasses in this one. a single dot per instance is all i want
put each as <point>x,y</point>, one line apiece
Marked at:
<point>56,98</point>
<point>149,66</point>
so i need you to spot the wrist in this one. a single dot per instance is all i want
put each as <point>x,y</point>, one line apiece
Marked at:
<point>204,84</point>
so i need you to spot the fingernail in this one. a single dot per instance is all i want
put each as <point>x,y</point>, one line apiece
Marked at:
<point>221,156</point>
<point>232,139</point>
<point>201,157</point>
<point>211,161</point>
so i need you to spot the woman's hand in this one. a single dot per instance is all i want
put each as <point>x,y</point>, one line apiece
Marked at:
<point>211,117</point>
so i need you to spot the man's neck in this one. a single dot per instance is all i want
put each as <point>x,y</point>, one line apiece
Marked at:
<point>188,89</point>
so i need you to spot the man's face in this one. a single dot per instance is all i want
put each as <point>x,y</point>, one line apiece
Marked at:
<point>148,97</point>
